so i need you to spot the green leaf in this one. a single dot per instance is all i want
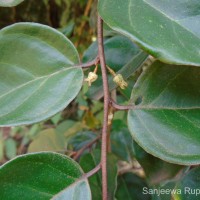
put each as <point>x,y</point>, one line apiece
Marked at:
<point>37,76</point>
<point>81,139</point>
<point>76,191</point>
<point>130,187</point>
<point>88,162</point>
<point>10,3</point>
<point>189,186</point>
<point>118,51</point>
<point>121,141</point>
<point>166,186</point>
<point>156,170</point>
<point>69,128</point>
<point>184,187</point>
<point>166,29</point>
<point>40,176</point>
<point>64,126</point>
<point>122,55</point>
<point>177,188</point>
<point>48,140</point>
<point>68,29</point>
<point>165,121</point>
<point>56,118</point>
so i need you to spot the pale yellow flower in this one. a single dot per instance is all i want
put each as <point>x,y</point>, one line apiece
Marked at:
<point>119,80</point>
<point>92,77</point>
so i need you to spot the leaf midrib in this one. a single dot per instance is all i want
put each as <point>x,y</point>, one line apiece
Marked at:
<point>73,186</point>
<point>149,107</point>
<point>38,78</point>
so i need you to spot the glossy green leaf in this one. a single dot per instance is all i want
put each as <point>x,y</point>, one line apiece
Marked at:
<point>166,29</point>
<point>121,54</point>
<point>183,186</point>
<point>189,186</point>
<point>68,29</point>
<point>81,139</point>
<point>76,191</point>
<point>37,76</point>
<point>167,188</point>
<point>156,170</point>
<point>121,141</point>
<point>10,3</point>
<point>131,187</point>
<point>48,140</point>
<point>166,120</point>
<point>91,160</point>
<point>40,176</point>
<point>118,51</point>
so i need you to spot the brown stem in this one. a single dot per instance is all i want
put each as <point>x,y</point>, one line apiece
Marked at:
<point>89,64</point>
<point>121,107</point>
<point>80,151</point>
<point>106,107</point>
<point>93,171</point>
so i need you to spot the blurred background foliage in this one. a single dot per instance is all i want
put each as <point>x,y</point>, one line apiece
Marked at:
<point>59,14</point>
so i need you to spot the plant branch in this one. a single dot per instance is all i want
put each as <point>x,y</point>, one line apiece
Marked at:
<point>88,64</point>
<point>106,107</point>
<point>83,177</point>
<point>80,151</point>
<point>93,171</point>
<point>121,107</point>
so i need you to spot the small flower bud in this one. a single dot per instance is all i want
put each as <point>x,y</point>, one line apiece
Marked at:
<point>91,78</point>
<point>118,79</point>
<point>110,118</point>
